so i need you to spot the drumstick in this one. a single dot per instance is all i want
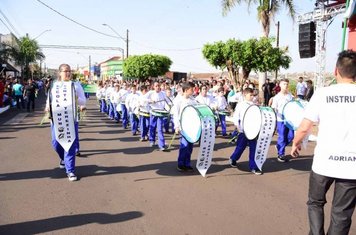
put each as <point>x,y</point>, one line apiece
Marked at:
<point>173,137</point>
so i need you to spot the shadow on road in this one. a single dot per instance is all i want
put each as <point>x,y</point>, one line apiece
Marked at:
<point>68,221</point>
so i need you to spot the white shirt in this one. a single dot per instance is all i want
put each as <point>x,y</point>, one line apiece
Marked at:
<point>143,102</point>
<point>334,108</point>
<point>158,99</point>
<point>108,92</point>
<point>301,88</point>
<point>278,103</point>
<point>178,106</point>
<point>122,95</point>
<point>207,100</point>
<point>239,114</point>
<point>132,102</point>
<point>220,102</point>
<point>100,93</point>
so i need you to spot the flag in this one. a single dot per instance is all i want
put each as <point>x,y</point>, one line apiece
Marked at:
<point>351,10</point>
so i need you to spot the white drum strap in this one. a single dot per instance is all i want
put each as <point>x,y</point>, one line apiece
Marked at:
<point>207,141</point>
<point>264,138</point>
<point>63,114</point>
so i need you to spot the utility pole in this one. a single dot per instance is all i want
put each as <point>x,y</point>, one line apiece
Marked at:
<point>127,43</point>
<point>89,68</point>
<point>276,75</point>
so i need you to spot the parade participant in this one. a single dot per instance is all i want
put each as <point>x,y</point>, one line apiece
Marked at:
<point>242,141</point>
<point>301,88</point>
<point>18,92</point>
<point>100,94</point>
<point>108,95</point>
<point>114,98</point>
<point>285,135</point>
<point>121,99</point>
<point>204,97</point>
<point>334,155</point>
<point>30,92</point>
<point>64,124</point>
<point>132,105</point>
<point>168,121</point>
<point>157,101</point>
<point>144,110</point>
<point>221,105</point>
<point>185,148</point>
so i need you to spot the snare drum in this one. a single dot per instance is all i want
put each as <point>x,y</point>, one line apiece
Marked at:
<point>144,113</point>
<point>292,113</point>
<point>255,119</point>
<point>159,112</point>
<point>191,121</point>
<point>224,112</point>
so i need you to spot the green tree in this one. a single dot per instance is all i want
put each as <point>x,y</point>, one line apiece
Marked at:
<point>250,55</point>
<point>266,10</point>
<point>145,66</point>
<point>24,52</point>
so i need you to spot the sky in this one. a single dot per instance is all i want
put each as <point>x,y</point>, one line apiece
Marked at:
<point>175,28</point>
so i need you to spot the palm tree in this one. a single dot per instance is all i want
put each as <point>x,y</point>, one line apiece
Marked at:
<point>24,52</point>
<point>266,10</point>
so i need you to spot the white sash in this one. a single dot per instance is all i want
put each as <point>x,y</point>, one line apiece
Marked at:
<point>63,113</point>
<point>207,141</point>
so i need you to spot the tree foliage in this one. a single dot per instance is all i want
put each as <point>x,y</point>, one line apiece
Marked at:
<point>24,52</point>
<point>145,66</point>
<point>257,55</point>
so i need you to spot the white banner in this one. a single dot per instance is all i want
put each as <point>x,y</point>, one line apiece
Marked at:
<point>63,111</point>
<point>207,141</point>
<point>268,125</point>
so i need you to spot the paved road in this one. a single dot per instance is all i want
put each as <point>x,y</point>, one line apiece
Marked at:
<point>126,187</point>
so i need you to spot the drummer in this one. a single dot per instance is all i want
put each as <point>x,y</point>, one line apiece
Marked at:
<point>242,141</point>
<point>122,98</point>
<point>132,105</point>
<point>185,148</point>
<point>221,105</point>
<point>204,97</point>
<point>144,110</point>
<point>157,101</point>
<point>285,135</point>
<point>168,121</point>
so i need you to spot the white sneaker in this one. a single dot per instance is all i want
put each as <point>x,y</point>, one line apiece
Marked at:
<point>62,165</point>
<point>72,177</point>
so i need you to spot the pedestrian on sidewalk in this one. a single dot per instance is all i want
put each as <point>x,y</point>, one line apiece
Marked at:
<point>335,153</point>
<point>18,89</point>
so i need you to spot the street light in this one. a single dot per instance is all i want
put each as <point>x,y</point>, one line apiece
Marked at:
<point>126,40</point>
<point>47,30</point>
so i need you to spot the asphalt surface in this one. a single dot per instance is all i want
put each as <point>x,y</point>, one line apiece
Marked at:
<point>127,187</point>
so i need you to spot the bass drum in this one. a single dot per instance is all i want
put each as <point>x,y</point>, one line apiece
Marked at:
<point>293,113</point>
<point>191,121</point>
<point>255,120</point>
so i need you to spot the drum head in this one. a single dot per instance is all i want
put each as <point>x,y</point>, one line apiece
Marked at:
<point>190,124</point>
<point>251,122</point>
<point>293,113</point>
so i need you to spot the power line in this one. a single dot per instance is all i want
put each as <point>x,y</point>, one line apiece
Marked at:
<point>166,49</point>
<point>9,23</point>
<point>70,19</point>
<point>6,25</point>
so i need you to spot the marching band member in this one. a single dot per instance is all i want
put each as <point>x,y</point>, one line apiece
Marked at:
<point>122,98</point>
<point>144,110</point>
<point>204,97</point>
<point>132,105</point>
<point>221,104</point>
<point>108,91</point>
<point>115,101</point>
<point>109,94</point>
<point>185,148</point>
<point>242,141</point>
<point>168,105</point>
<point>157,101</point>
<point>285,135</point>
<point>61,119</point>
<point>100,94</point>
